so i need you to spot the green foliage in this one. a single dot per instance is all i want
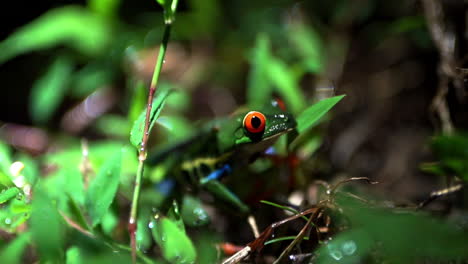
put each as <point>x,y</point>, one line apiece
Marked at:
<point>193,213</point>
<point>399,236</point>
<point>5,162</point>
<point>12,252</point>
<point>47,227</point>
<point>452,153</point>
<point>175,245</point>
<point>68,26</point>
<point>136,135</point>
<point>49,90</point>
<point>102,189</point>
<point>312,114</point>
<point>8,194</point>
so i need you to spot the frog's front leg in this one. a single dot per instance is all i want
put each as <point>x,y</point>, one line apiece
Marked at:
<point>212,184</point>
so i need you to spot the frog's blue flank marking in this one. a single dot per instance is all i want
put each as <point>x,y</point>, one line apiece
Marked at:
<point>217,174</point>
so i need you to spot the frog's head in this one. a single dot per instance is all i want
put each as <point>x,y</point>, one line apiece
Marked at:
<point>256,127</point>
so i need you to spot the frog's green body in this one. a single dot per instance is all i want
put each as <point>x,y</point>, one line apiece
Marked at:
<point>225,144</point>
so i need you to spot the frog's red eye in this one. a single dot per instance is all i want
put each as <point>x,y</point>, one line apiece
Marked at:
<point>254,122</point>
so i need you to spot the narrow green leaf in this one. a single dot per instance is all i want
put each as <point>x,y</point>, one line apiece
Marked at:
<point>13,251</point>
<point>5,162</point>
<point>8,194</point>
<point>71,26</point>
<point>286,84</point>
<point>143,233</point>
<point>91,77</point>
<point>175,245</point>
<point>193,213</point>
<point>47,92</point>
<point>104,8</point>
<point>279,239</point>
<point>102,189</point>
<point>174,215</point>
<point>312,114</point>
<point>47,227</point>
<point>31,169</point>
<point>178,127</point>
<point>136,135</point>
<point>309,45</point>
<point>259,89</point>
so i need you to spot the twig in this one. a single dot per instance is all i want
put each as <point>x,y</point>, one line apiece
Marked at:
<point>298,237</point>
<point>439,193</point>
<point>142,153</point>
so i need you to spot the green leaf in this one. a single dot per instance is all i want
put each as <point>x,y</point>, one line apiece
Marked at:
<point>259,88</point>
<point>102,189</point>
<point>169,9</point>
<point>13,251</point>
<point>136,135</point>
<point>113,126</point>
<point>174,215</point>
<point>5,163</point>
<point>104,8</point>
<point>91,77</point>
<point>312,114</point>
<point>175,245</point>
<point>48,92</point>
<point>178,127</point>
<point>143,233</point>
<point>286,84</point>
<point>71,26</point>
<point>74,256</point>
<point>8,194</point>
<point>31,169</point>
<point>413,235</point>
<point>47,227</point>
<point>193,213</point>
<point>308,44</point>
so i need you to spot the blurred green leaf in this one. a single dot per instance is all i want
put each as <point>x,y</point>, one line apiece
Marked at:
<point>136,135</point>
<point>143,233</point>
<point>13,251</point>
<point>309,45</point>
<point>109,222</point>
<point>74,256</point>
<point>90,78</point>
<point>47,227</point>
<point>178,126</point>
<point>286,84</point>
<point>113,125</point>
<point>259,89</point>
<point>174,215</point>
<point>349,247</point>
<point>48,92</point>
<point>8,194</point>
<point>31,169</point>
<point>138,100</point>
<point>104,8</point>
<point>193,213</point>
<point>14,214</point>
<point>5,163</point>
<point>175,245</point>
<point>312,114</point>
<point>71,26</point>
<point>102,189</point>
<point>452,152</point>
<point>402,236</point>
<point>179,100</point>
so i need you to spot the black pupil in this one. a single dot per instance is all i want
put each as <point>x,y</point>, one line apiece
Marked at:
<point>256,122</point>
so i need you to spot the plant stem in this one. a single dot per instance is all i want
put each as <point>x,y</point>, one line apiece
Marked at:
<point>142,153</point>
